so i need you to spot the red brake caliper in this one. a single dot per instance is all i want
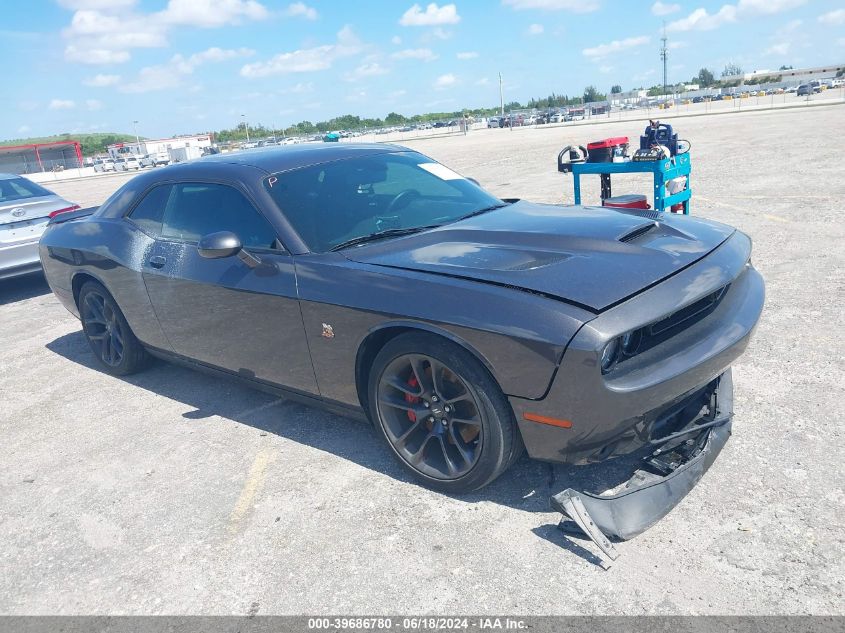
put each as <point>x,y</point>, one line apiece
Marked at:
<point>412,382</point>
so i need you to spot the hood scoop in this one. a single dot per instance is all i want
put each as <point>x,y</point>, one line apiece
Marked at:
<point>638,232</point>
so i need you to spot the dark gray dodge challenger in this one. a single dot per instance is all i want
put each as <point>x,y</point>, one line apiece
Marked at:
<point>374,281</point>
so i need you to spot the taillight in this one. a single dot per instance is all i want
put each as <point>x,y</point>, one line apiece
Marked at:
<point>53,214</point>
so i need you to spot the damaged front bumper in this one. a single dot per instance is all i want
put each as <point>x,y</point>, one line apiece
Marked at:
<point>667,474</point>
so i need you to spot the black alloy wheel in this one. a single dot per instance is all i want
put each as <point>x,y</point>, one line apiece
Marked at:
<point>109,335</point>
<point>102,328</point>
<point>442,413</point>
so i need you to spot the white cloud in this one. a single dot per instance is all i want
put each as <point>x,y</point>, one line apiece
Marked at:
<point>605,69</point>
<point>396,40</point>
<point>535,29</point>
<point>576,6</point>
<point>676,44</point>
<point>422,54</point>
<point>398,93</point>
<point>173,73</point>
<point>616,46</point>
<point>438,33</point>
<point>661,8</point>
<point>432,16</point>
<point>301,10</point>
<point>111,5</point>
<point>482,82</point>
<point>701,20</point>
<point>367,70</point>
<point>93,104</point>
<point>467,55</point>
<point>216,55</point>
<point>445,81</point>
<point>833,18</point>
<point>61,104</point>
<point>211,13</point>
<point>95,55</point>
<point>23,129</point>
<point>103,32</point>
<point>306,59</point>
<point>778,49</point>
<point>301,88</point>
<point>101,81</point>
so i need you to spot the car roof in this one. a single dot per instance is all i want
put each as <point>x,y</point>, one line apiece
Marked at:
<point>10,176</point>
<point>282,158</point>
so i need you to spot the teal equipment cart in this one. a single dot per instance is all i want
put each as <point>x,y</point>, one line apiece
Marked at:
<point>663,170</point>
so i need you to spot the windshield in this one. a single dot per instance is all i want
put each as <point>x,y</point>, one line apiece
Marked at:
<point>20,189</point>
<point>333,203</point>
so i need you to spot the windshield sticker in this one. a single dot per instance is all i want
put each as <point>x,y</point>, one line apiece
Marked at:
<point>441,171</point>
<point>272,180</point>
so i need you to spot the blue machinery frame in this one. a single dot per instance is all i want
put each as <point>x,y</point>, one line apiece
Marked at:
<point>663,170</point>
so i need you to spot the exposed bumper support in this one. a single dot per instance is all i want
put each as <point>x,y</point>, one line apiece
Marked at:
<point>647,497</point>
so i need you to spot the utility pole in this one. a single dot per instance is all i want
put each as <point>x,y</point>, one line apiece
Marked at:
<point>664,55</point>
<point>137,140</point>
<point>246,127</point>
<point>501,96</point>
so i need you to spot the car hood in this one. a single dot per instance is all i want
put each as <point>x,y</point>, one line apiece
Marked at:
<point>593,257</point>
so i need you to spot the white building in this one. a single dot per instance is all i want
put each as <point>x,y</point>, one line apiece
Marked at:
<point>154,146</point>
<point>797,75</point>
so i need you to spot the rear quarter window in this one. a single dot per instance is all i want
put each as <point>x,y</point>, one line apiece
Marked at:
<point>20,189</point>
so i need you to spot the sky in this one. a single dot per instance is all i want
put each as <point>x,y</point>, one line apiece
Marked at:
<point>185,66</point>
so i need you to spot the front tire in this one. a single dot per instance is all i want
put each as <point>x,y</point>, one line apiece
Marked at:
<point>109,335</point>
<point>442,413</point>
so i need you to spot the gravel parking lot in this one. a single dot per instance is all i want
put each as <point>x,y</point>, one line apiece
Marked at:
<point>173,492</point>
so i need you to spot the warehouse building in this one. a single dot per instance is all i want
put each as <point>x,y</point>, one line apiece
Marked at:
<point>155,146</point>
<point>40,157</point>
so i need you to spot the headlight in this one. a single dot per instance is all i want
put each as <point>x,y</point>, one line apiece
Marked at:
<point>631,342</point>
<point>609,355</point>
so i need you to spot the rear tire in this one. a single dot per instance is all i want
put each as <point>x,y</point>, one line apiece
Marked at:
<point>441,412</point>
<point>109,335</point>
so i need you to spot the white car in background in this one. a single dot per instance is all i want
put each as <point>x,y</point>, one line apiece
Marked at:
<point>25,210</point>
<point>127,163</point>
<point>104,164</point>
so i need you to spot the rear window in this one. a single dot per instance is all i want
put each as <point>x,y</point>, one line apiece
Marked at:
<point>20,189</point>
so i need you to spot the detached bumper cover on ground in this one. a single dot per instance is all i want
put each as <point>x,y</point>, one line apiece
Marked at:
<point>682,458</point>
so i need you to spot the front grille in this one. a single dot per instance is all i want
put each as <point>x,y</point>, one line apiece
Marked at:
<point>655,333</point>
<point>693,312</point>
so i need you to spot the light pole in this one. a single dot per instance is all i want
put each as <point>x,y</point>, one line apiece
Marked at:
<point>246,127</point>
<point>137,140</point>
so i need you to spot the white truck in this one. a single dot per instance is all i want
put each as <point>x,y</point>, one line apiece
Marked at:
<point>181,154</point>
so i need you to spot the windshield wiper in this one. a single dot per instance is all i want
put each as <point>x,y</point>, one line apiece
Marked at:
<point>371,237</point>
<point>492,207</point>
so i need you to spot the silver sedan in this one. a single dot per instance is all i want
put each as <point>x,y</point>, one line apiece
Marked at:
<point>25,209</point>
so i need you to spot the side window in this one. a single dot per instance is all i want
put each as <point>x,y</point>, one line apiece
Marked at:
<point>197,209</point>
<point>149,213</point>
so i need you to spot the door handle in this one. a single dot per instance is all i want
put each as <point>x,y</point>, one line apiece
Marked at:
<point>157,261</point>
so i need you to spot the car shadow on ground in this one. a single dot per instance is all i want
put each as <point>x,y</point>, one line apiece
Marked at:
<point>22,288</point>
<point>526,486</point>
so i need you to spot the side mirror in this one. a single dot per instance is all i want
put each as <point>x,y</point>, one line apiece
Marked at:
<point>220,244</point>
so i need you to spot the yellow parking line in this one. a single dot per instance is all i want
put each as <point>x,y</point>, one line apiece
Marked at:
<point>776,218</point>
<point>252,485</point>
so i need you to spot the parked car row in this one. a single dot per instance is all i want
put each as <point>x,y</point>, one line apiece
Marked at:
<point>131,162</point>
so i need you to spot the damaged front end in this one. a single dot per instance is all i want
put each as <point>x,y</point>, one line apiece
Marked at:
<point>685,444</point>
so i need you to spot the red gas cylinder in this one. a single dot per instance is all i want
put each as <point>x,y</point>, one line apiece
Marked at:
<point>629,201</point>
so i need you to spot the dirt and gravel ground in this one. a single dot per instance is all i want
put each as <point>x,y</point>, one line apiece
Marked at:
<point>173,492</point>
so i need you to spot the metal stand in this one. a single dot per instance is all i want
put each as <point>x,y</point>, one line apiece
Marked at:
<point>663,171</point>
